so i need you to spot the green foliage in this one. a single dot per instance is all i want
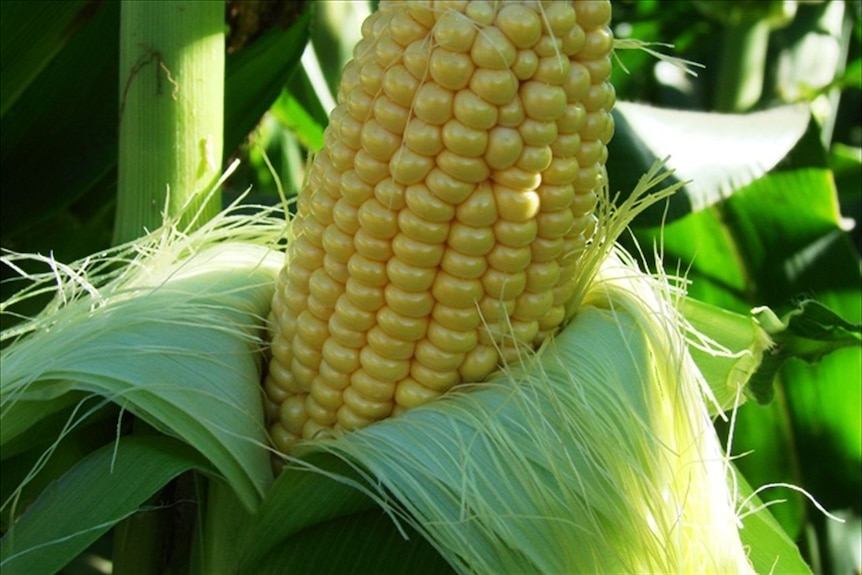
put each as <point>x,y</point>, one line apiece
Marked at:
<point>788,234</point>
<point>766,218</point>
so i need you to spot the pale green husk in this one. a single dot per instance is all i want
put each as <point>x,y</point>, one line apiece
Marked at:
<point>169,327</point>
<point>596,455</point>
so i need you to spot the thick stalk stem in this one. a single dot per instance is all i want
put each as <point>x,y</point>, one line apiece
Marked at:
<point>171,93</point>
<point>171,113</point>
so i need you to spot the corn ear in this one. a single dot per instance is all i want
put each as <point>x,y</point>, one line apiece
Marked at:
<point>597,455</point>
<point>441,229</point>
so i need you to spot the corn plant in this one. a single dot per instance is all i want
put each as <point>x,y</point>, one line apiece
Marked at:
<point>462,307</point>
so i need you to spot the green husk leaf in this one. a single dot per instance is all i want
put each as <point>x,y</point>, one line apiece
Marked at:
<point>597,455</point>
<point>298,499</point>
<point>808,332</point>
<point>770,548</point>
<point>22,418</point>
<point>313,523</point>
<point>732,354</point>
<point>363,543</point>
<point>172,335</point>
<point>101,490</point>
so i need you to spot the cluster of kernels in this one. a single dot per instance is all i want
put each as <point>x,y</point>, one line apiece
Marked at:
<point>440,228</point>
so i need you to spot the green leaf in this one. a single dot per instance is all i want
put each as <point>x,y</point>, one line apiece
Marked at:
<point>812,320</point>
<point>31,34</point>
<point>301,498</point>
<point>26,415</point>
<point>255,75</point>
<point>718,153</point>
<point>55,445</point>
<point>363,543</point>
<point>104,488</point>
<point>318,518</point>
<point>772,551</point>
<point>38,130</point>
<point>306,120</point>
<point>761,246</point>
<point>734,352</point>
<point>852,75</point>
<point>336,29</point>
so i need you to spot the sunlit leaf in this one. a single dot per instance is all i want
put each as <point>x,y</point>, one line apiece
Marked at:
<point>719,153</point>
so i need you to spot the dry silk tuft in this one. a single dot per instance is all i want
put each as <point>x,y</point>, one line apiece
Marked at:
<point>440,230</point>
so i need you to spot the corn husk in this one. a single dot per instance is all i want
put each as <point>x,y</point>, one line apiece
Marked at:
<point>595,453</point>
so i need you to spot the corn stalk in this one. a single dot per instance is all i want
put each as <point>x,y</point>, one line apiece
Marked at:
<point>171,113</point>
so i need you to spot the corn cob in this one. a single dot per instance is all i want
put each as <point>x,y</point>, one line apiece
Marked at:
<point>440,228</point>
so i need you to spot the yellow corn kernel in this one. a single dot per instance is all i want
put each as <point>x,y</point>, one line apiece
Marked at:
<point>451,340</point>
<point>462,265</point>
<point>421,229</point>
<point>370,387</point>
<point>430,355</point>
<point>433,104</point>
<point>456,292</point>
<point>405,30</point>
<point>541,101</point>
<point>504,148</point>
<point>497,87</point>
<point>409,277</point>
<point>439,231</point>
<point>492,50</point>
<point>383,368</point>
<point>359,411</point>
<point>416,57</point>
<point>525,65</point>
<point>451,70</point>
<point>511,114</point>
<point>407,303</point>
<point>447,187</point>
<point>456,317</point>
<point>387,346</point>
<point>421,200</point>
<point>469,240</point>
<point>419,253</point>
<point>463,140</point>
<point>432,378</point>
<point>454,31</point>
<point>473,111</point>
<point>522,25</point>
<point>400,326</point>
<point>423,137</point>
<point>516,234</point>
<point>409,393</point>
